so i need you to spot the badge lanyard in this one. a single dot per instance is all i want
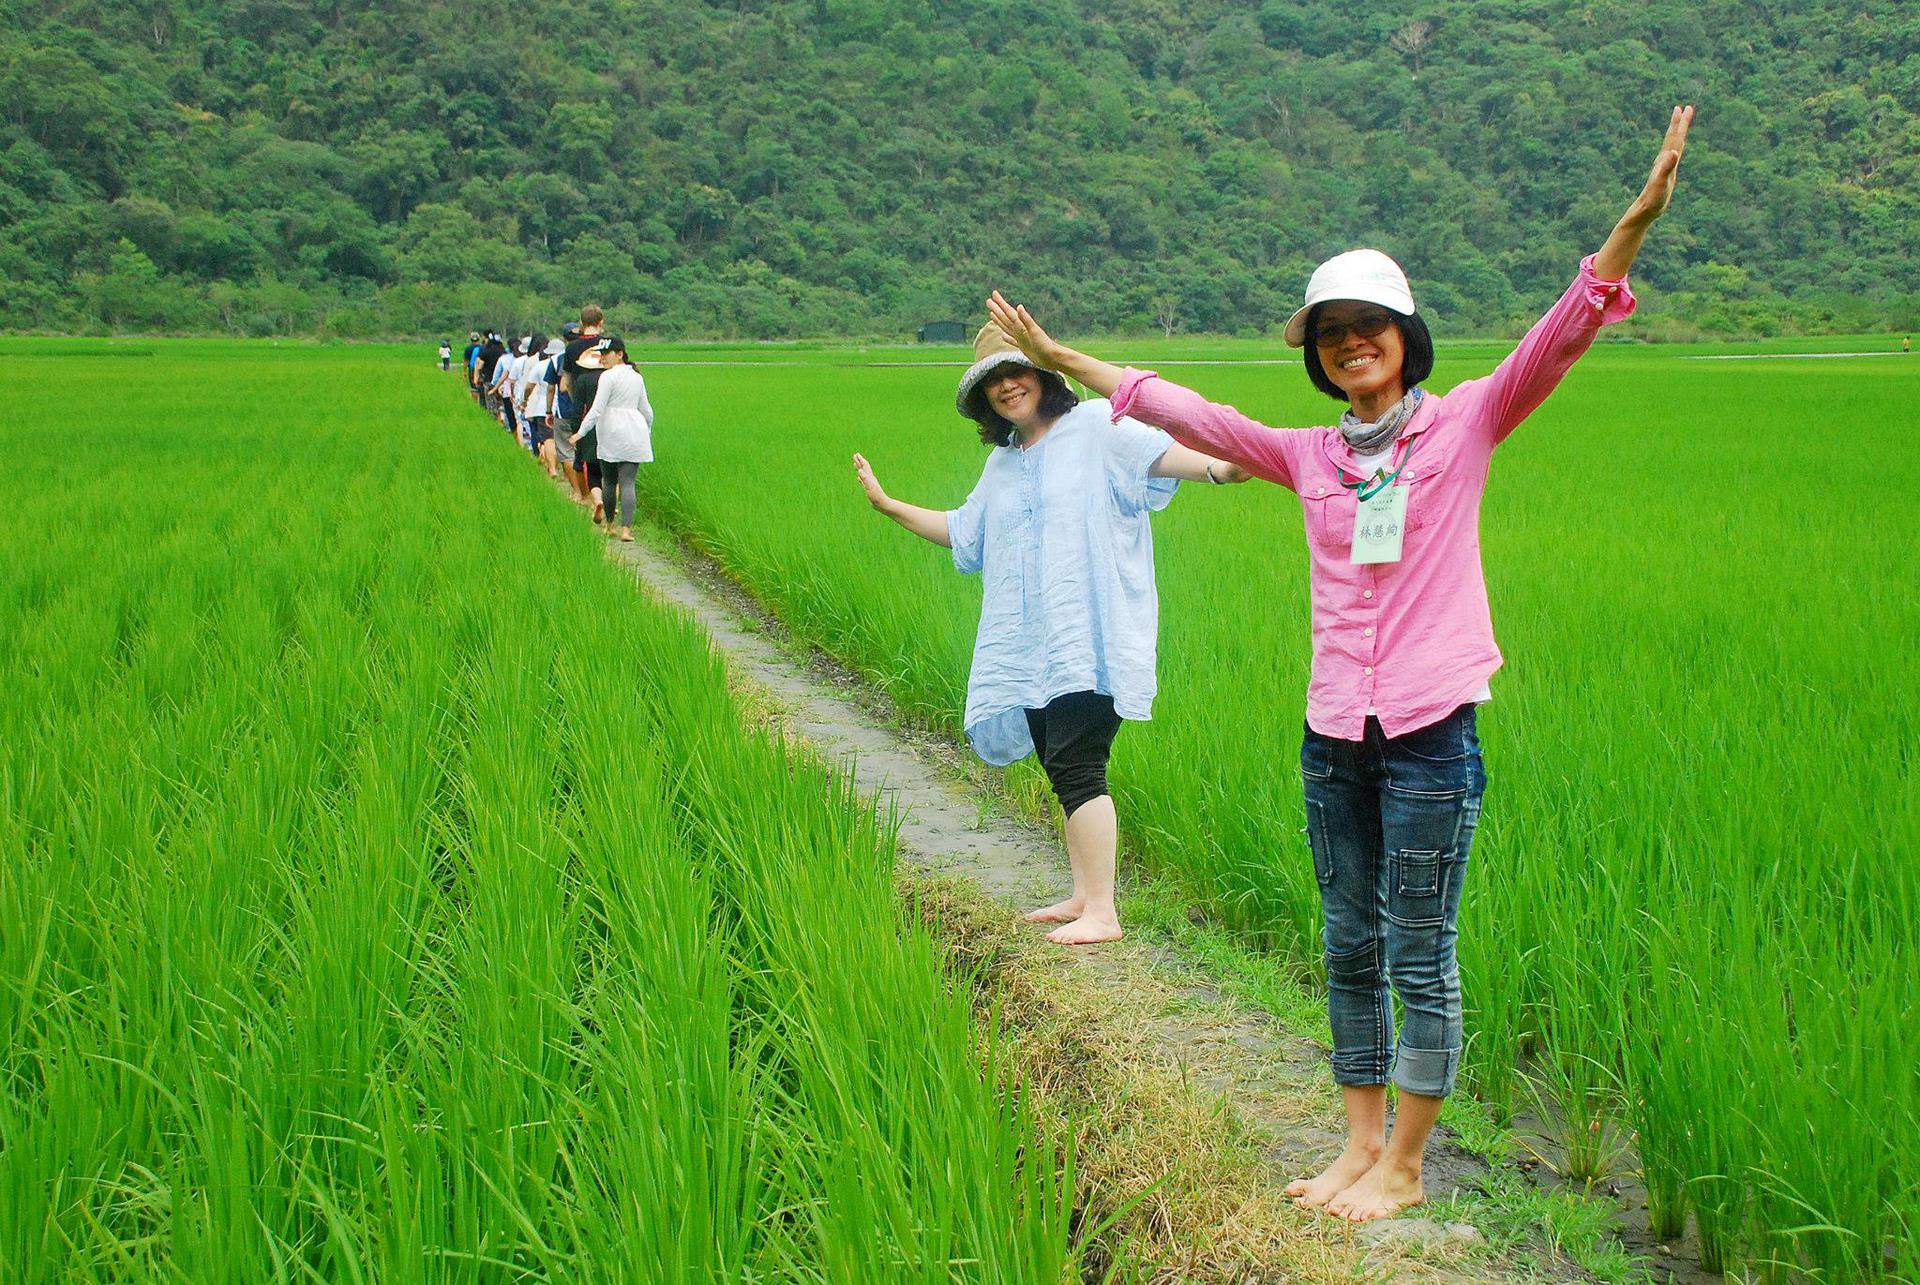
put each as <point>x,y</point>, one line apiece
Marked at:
<point>1364,490</point>
<point>1380,517</point>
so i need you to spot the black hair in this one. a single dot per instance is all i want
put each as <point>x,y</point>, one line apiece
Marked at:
<point>1415,365</point>
<point>1056,399</point>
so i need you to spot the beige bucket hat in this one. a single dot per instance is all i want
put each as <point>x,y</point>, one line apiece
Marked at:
<point>992,349</point>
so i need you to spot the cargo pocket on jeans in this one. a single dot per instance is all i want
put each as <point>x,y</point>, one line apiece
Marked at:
<point>1415,897</point>
<point>1317,840</point>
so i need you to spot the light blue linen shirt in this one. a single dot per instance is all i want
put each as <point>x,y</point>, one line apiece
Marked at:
<point>1068,604</point>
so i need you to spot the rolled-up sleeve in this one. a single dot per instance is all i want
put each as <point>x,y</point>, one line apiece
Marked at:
<point>1517,386</point>
<point>1130,381</point>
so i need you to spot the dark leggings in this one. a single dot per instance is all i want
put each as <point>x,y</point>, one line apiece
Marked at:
<point>617,476</point>
<point>1073,736</point>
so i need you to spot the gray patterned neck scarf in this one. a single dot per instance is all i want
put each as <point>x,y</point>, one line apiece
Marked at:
<point>1367,438</point>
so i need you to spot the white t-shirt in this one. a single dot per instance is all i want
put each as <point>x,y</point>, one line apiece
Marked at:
<point>1373,461</point>
<point>538,398</point>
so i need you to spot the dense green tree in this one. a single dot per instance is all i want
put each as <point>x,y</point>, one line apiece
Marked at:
<point>446,243</point>
<point>130,292</point>
<point>783,167</point>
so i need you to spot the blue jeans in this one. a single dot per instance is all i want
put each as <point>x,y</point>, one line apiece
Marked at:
<point>1391,820</point>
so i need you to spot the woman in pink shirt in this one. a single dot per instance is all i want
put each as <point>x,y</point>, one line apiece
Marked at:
<point>1402,648</point>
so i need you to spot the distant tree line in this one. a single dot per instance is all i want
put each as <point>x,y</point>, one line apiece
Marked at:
<point>777,168</point>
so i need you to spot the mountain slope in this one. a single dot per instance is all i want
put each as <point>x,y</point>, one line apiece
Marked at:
<point>789,167</point>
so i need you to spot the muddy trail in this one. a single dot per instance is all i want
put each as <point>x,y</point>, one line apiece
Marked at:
<point>1193,1109</point>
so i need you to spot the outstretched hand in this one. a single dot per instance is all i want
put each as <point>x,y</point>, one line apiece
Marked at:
<point>1025,332</point>
<point>868,482</point>
<point>1658,193</point>
<point>1623,246</point>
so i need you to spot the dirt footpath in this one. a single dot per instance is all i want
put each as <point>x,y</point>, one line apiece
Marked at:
<point>1192,1110</point>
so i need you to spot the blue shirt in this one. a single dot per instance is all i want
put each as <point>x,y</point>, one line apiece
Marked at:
<point>1060,532</point>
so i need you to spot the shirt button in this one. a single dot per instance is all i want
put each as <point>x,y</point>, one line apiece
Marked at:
<point>1366,593</point>
<point>1368,670</point>
<point>1369,631</point>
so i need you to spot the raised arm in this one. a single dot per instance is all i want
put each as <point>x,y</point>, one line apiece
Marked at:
<point>1198,424</point>
<point>1046,351</point>
<point>1599,296</point>
<point>928,524</point>
<point>1623,246</point>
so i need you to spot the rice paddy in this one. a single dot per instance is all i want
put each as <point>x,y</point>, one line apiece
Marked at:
<point>1693,920</point>
<point>392,894</point>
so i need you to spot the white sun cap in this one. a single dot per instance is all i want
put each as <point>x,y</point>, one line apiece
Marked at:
<point>1366,276</point>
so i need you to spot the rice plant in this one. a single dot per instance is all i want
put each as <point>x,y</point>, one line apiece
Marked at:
<point>392,894</point>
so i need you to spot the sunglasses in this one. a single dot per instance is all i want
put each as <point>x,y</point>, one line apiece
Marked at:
<point>1366,325</point>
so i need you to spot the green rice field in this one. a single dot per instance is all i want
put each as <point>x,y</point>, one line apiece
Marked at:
<point>391,892</point>
<point>1693,919</point>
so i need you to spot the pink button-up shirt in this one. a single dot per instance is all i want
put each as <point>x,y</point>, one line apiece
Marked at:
<point>1411,640</point>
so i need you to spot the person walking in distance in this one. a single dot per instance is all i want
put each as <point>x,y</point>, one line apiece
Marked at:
<point>536,400</point>
<point>487,363</point>
<point>1403,649</point>
<point>470,363</point>
<point>621,419</point>
<point>502,388</point>
<point>562,373</point>
<point>585,387</point>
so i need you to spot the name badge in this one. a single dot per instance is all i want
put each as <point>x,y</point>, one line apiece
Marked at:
<point>1378,525</point>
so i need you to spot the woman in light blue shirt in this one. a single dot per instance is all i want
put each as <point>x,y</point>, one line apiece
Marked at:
<point>1069,617</point>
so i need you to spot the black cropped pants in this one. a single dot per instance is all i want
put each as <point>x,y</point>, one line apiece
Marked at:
<point>1073,736</point>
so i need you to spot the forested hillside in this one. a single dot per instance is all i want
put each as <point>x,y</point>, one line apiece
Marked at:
<point>812,167</point>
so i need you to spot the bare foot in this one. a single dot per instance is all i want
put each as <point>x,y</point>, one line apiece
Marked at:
<point>1060,912</point>
<point>1311,1193</point>
<point>1381,1192</point>
<point>1087,930</point>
